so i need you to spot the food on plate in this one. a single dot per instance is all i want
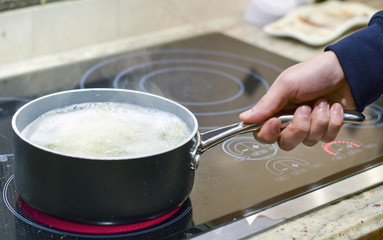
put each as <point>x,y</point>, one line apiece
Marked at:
<point>107,129</point>
<point>319,24</point>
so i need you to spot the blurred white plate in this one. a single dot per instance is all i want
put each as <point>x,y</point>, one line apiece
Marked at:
<point>322,23</point>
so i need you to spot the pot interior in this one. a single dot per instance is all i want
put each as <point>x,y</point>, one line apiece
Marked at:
<point>37,107</point>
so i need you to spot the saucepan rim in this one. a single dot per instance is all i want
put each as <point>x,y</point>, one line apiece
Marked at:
<point>16,130</point>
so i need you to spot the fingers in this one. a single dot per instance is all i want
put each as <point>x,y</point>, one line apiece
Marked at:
<point>335,124</point>
<point>325,123</point>
<point>320,119</point>
<point>310,127</point>
<point>269,132</point>
<point>297,130</point>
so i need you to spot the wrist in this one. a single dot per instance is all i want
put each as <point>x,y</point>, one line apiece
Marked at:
<point>338,79</point>
<point>337,74</point>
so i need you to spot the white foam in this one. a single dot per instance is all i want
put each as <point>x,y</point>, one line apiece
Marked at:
<point>107,130</point>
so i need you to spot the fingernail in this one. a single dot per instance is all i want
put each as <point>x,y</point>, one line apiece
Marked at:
<point>323,105</point>
<point>305,111</point>
<point>245,114</point>
<point>336,108</point>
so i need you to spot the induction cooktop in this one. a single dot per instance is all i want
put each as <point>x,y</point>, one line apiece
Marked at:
<point>216,77</point>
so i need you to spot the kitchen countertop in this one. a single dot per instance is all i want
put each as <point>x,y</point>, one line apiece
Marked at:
<point>358,217</point>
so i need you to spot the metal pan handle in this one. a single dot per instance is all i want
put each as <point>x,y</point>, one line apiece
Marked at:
<point>216,136</point>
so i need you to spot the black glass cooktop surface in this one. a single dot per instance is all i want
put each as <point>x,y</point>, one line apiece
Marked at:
<point>216,77</point>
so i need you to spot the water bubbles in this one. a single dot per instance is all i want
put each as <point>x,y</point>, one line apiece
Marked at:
<point>107,129</point>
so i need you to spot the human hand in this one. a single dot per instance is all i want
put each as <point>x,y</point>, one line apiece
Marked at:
<point>320,81</point>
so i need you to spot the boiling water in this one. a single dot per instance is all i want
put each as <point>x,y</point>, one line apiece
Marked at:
<point>107,130</point>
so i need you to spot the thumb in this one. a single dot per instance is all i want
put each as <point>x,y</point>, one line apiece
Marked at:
<point>271,103</point>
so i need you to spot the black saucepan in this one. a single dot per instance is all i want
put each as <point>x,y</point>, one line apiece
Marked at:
<point>115,190</point>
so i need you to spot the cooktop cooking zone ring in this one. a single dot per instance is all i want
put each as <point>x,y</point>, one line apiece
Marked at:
<point>147,78</point>
<point>176,219</point>
<point>188,76</point>
<point>374,118</point>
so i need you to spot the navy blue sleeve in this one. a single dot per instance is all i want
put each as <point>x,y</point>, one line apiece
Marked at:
<point>361,57</point>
